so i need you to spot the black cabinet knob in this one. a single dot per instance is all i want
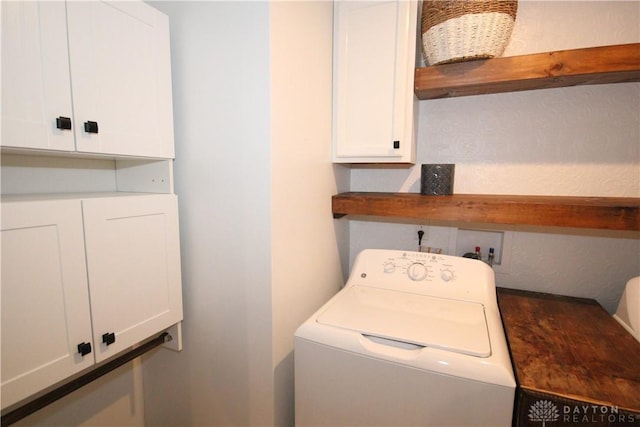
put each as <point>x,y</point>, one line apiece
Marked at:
<point>63,123</point>
<point>396,145</point>
<point>109,338</point>
<point>84,348</point>
<point>91,127</point>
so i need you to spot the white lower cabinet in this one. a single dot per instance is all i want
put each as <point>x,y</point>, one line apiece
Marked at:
<point>133,265</point>
<point>45,310</point>
<point>83,275</point>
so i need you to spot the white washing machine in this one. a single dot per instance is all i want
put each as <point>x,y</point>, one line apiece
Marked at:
<point>413,339</point>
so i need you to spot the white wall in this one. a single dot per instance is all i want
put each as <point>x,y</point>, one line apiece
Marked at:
<point>220,58</point>
<point>304,243</point>
<point>252,106</point>
<point>571,141</point>
<point>115,399</point>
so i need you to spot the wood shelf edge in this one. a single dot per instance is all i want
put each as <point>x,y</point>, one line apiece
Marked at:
<point>611,213</point>
<point>595,65</point>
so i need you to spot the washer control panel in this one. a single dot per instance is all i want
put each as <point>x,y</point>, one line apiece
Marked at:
<point>424,273</point>
<point>419,266</point>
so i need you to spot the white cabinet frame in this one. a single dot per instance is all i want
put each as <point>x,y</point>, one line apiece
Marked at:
<point>374,64</point>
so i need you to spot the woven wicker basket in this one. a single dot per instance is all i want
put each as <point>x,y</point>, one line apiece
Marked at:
<point>463,30</point>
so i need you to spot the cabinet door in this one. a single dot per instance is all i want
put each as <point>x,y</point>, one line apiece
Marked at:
<point>133,259</point>
<point>35,75</point>
<point>121,78</point>
<point>45,301</point>
<point>374,63</point>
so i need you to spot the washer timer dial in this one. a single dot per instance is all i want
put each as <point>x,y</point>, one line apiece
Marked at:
<point>417,271</point>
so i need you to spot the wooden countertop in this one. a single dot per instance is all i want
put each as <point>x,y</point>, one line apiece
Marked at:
<point>570,348</point>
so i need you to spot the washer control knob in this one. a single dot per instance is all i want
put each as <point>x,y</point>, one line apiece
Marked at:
<point>389,267</point>
<point>417,271</point>
<point>446,275</point>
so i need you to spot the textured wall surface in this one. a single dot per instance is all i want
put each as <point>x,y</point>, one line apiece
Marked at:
<point>582,141</point>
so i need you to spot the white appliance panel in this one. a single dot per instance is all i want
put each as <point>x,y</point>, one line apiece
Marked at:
<point>340,388</point>
<point>422,320</point>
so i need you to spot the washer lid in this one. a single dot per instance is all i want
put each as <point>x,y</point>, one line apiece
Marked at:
<point>451,325</point>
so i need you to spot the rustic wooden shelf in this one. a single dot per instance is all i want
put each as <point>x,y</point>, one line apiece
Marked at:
<point>596,65</point>
<point>612,213</point>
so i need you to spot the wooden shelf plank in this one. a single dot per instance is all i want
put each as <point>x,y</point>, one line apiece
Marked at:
<point>612,213</point>
<point>596,65</point>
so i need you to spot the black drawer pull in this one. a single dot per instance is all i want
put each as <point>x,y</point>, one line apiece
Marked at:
<point>91,127</point>
<point>109,338</point>
<point>84,348</point>
<point>63,123</point>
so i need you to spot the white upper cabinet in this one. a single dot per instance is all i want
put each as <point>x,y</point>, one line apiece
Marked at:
<point>121,79</point>
<point>45,299</point>
<point>374,66</point>
<point>110,60</point>
<point>36,85</point>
